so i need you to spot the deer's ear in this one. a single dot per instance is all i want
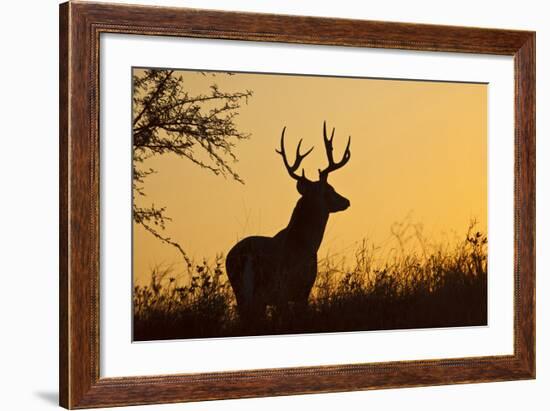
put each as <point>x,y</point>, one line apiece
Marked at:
<point>302,186</point>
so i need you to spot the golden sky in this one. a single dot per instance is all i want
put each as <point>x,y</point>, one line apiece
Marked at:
<point>419,149</point>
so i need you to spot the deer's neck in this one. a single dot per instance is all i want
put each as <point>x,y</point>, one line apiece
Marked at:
<point>306,227</point>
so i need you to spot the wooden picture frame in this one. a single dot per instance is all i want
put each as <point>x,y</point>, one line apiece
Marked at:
<point>80,27</point>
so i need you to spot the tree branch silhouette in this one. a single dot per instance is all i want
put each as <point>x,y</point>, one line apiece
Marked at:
<point>167,118</point>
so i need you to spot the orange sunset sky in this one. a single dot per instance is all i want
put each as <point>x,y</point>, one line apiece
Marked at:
<point>419,150</point>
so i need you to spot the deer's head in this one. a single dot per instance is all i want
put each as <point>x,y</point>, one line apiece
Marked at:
<point>319,192</point>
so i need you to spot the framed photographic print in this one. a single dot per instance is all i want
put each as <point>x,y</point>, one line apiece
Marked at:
<point>256,205</point>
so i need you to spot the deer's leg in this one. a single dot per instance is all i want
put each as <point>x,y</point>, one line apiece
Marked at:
<point>251,313</point>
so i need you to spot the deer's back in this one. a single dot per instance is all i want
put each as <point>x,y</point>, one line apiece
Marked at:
<point>260,252</point>
<point>250,264</point>
<point>265,268</point>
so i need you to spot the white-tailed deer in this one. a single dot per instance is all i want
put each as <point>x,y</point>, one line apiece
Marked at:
<point>281,269</point>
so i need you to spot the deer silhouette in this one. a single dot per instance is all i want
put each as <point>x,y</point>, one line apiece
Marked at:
<point>276,271</point>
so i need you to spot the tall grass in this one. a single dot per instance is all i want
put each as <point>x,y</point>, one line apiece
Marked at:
<point>401,286</point>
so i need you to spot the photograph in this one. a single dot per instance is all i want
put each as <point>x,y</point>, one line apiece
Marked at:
<point>284,203</point>
<point>275,205</point>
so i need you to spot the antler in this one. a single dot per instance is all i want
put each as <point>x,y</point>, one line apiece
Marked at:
<point>299,157</point>
<point>332,166</point>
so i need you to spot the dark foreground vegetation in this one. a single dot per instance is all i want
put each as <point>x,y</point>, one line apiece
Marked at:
<point>428,286</point>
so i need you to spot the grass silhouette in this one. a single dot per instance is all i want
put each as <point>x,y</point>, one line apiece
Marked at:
<point>426,286</point>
